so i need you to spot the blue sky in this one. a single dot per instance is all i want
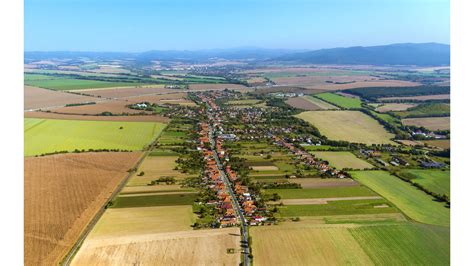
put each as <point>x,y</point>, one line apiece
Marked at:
<point>141,25</point>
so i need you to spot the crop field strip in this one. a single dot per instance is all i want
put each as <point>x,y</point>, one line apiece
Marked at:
<point>437,181</point>
<point>352,126</point>
<point>125,118</point>
<point>303,243</point>
<point>342,159</point>
<point>50,135</point>
<point>340,101</point>
<point>431,123</point>
<point>36,98</point>
<point>403,195</point>
<point>62,194</point>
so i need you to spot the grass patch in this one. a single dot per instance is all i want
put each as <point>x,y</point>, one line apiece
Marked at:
<point>327,192</point>
<point>342,159</point>
<point>154,200</point>
<point>52,135</point>
<point>62,83</point>
<point>340,101</point>
<point>413,202</point>
<point>437,181</point>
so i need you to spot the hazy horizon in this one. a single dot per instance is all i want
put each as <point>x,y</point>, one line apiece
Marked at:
<point>143,25</point>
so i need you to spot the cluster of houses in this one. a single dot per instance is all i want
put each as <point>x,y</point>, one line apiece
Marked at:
<point>427,135</point>
<point>308,159</point>
<point>214,177</point>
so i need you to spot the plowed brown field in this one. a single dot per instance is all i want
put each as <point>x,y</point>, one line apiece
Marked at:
<point>62,195</point>
<point>42,98</point>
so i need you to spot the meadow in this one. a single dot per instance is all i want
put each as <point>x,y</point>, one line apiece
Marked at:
<point>415,203</point>
<point>436,181</point>
<point>352,126</point>
<point>426,110</point>
<point>340,101</point>
<point>46,136</point>
<point>342,159</point>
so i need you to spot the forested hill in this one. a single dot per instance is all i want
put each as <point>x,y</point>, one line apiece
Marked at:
<point>421,54</point>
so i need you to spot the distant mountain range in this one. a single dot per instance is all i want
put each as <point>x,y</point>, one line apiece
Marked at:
<point>422,54</point>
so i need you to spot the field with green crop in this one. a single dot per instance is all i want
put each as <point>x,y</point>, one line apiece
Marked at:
<point>153,200</point>
<point>64,83</point>
<point>425,110</point>
<point>342,207</point>
<point>325,192</point>
<point>404,244</point>
<point>352,126</point>
<point>437,181</point>
<point>342,159</point>
<point>53,135</point>
<point>302,243</point>
<point>413,202</point>
<point>340,101</point>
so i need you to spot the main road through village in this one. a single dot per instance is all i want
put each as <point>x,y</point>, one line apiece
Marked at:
<point>235,203</point>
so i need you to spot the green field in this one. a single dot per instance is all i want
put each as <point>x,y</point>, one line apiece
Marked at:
<point>343,207</point>
<point>413,202</point>
<point>426,110</point>
<point>326,192</point>
<point>404,244</point>
<point>62,83</point>
<point>154,200</point>
<point>53,135</point>
<point>340,101</point>
<point>436,181</point>
<point>304,243</point>
<point>352,126</point>
<point>342,159</point>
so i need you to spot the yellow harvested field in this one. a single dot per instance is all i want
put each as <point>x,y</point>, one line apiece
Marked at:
<point>36,98</point>
<point>149,189</point>
<point>352,126</point>
<point>223,86</point>
<point>265,168</point>
<point>431,123</point>
<point>143,220</point>
<point>394,107</point>
<point>326,182</point>
<point>342,159</point>
<point>196,247</point>
<point>442,143</point>
<point>305,244</point>
<point>155,167</point>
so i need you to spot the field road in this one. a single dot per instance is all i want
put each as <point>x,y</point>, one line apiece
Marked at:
<point>235,203</point>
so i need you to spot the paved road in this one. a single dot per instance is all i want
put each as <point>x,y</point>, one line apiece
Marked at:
<point>235,203</point>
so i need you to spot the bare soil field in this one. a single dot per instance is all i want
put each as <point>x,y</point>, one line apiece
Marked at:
<point>442,143</point>
<point>156,98</point>
<point>128,92</point>
<point>116,107</point>
<point>196,247</point>
<point>394,107</point>
<point>36,98</point>
<point>431,123</point>
<point>130,118</point>
<point>62,194</point>
<point>265,168</point>
<point>361,84</point>
<point>419,98</point>
<point>198,87</point>
<point>309,103</point>
<point>326,182</point>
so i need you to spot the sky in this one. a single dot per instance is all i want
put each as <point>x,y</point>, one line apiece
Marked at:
<point>142,25</point>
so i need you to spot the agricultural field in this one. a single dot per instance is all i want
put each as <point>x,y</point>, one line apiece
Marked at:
<point>394,107</point>
<point>340,101</point>
<point>431,123</point>
<point>221,86</point>
<point>322,192</point>
<point>417,98</point>
<point>244,102</point>
<point>37,98</point>
<point>374,93</point>
<point>116,118</point>
<point>112,93</point>
<point>62,194</point>
<point>149,199</point>
<point>51,135</point>
<point>171,248</point>
<point>115,107</point>
<point>442,143</point>
<point>426,110</point>
<point>64,83</point>
<point>324,182</point>
<point>309,103</point>
<point>403,195</point>
<point>352,126</point>
<point>303,243</point>
<point>341,159</point>
<point>437,181</point>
